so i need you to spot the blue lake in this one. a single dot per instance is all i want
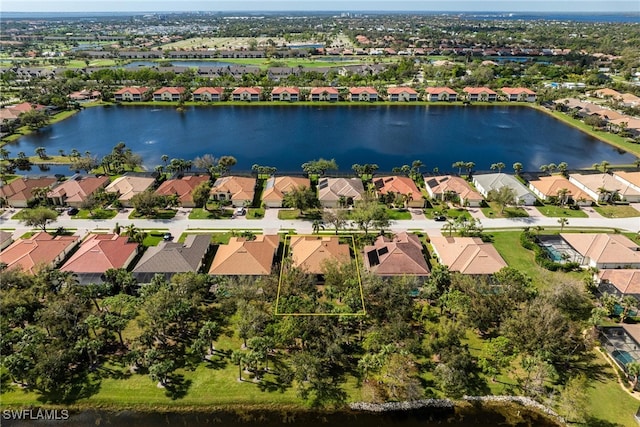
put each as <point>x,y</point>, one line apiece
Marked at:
<point>287,136</point>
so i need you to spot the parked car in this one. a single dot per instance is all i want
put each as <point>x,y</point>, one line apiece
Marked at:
<point>167,236</point>
<point>240,211</point>
<point>440,218</point>
<point>72,211</point>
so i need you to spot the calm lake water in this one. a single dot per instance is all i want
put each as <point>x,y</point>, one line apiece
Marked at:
<point>287,136</point>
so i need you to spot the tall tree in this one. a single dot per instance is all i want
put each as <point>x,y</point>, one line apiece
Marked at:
<point>38,217</point>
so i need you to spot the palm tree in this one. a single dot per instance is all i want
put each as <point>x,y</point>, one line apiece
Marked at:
<point>469,167</point>
<point>459,165</point>
<point>317,225</point>
<point>499,166</point>
<point>603,194</point>
<point>627,303</point>
<point>562,221</point>
<point>562,168</point>
<point>449,226</point>
<point>563,196</point>
<point>165,159</point>
<point>604,165</point>
<point>636,163</point>
<point>238,358</point>
<point>517,168</point>
<point>633,370</point>
<point>41,152</point>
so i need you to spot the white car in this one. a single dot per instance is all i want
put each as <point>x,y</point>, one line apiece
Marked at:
<point>240,211</point>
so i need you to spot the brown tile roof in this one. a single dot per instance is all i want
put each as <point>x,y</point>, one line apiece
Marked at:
<point>100,252</point>
<point>128,186</point>
<point>627,281</point>
<point>240,188</point>
<point>310,252</point>
<point>277,187</point>
<point>22,189</point>
<point>181,187</point>
<point>39,249</point>
<point>630,177</point>
<point>604,248</point>
<point>468,255</point>
<point>550,185</point>
<point>399,256</point>
<point>397,184</point>
<point>77,189</point>
<point>244,257</point>
<point>174,257</point>
<point>442,184</point>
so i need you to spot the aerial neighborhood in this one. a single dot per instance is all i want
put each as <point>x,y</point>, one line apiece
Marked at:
<point>468,239</point>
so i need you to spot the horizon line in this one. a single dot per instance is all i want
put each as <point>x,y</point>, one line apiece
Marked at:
<point>599,12</point>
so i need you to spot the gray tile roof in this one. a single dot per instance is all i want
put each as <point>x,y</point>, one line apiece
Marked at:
<point>174,257</point>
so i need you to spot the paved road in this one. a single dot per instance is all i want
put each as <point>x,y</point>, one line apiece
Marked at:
<point>270,223</point>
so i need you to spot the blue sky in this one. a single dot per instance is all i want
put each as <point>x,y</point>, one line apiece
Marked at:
<point>334,5</point>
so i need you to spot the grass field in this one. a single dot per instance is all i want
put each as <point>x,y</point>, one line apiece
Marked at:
<point>612,211</point>
<point>160,214</point>
<point>493,211</point>
<point>398,214</point>
<point>561,211</point>
<point>199,213</point>
<point>97,214</point>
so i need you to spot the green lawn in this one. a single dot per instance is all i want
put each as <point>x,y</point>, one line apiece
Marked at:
<point>561,211</point>
<point>255,213</point>
<point>443,209</point>
<point>20,215</point>
<point>160,214</point>
<point>493,211</point>
<point>616,211</point>
<point>286,214</point>
<point>199,213</point>
<point>97,214</point>
<point>399,214</point>
<point>153,238</point>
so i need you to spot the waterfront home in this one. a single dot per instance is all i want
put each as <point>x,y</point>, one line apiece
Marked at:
<point>549,188</point>
<point>627,124</point>
<point>363,94</point>
<point>467,255</point>
<point>99,253</point>
<point>495,181</point>
<point>169,258</point>
<point>19,192</point>
<point>602,251</point>
<point>399,185</point>
<point>607,93</point>
<point>401,255</point>
<point>339,192</point>
<point>285,94</point>
<point>310,253</point>
<point>632,179</point>
<point>40,250</point>
<point>277,187</point>
<point>245,257</point>
<point>441,94</point>
<point>25,107</point>
<point>132,94</point>
<point>622,342</point>
<point>452,188</point>
<point>145,54</point>
<point>182,188</point>
<point>85,95</point>
<point>324,94</point>
<point>169,94</point>
<point>402,94</point>
<point>246,94</point>
<point>211,94</point>
<point>236,189</point>
<point>619,282</point>
<point>519,94</point>
<point>76,189</point>
<point>482,94</point>
<point>128,186</point>
<point>604,187</point>
<point>629,100</point>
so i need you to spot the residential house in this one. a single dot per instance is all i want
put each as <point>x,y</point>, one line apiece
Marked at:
<point>400,256</point>
<point>482,94</point>
<point>557,186</point>
<point>244,257</point>
<point>76,189</point>
<point>607,93</point>
<point>467,255</point>
<point>169,94</point>
<point>99,253</point>
<point>128,186</point>
<point>310,253</point>
<point>619,282</point>
<point>441,94</point>
<point>604,187</point>
<point>19,192</point>
<point>85,95</point>
<point>276,188</point>
<point>211,94</point>
<point>132,94</point>
<point>602,251</point>
<point>495,181</point>
<point>169,258</point>
<point>291,94</point>
<point>400,185</point>
<point>519,94</point>
<point>629,100</point>
<point>182,188</point>
<point>246,94</point>
<point>41,249</point>
<point>622,343</point>
<point>239,190</point>
<point>626,124</point>
<point>324,94</point>
<point>335,192</point>
<point>363,94</point>
<point>632,179</point>
<point>402,94</point>
<point>449,187</point>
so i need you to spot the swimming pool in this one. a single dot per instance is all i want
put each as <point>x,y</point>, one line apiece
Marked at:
<point>622,356</point>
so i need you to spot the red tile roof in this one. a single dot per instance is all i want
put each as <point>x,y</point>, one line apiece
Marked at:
<point>181,187</point>
<point>132,90</point>
<point>436,90</point>
<point>359,90</point>
<point>399,90</point>
<point>76,190</point>
<point>39,249</point>
<point>321,90</point>
<point>26,106</point>
<point>22,189</point>
<point>251,90</point>
<point>172,90</point>
<point>517,90</point>
<point>211,90</point>
<point>279,90</point>
<point>100,252</point>
<point>478,90</point>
